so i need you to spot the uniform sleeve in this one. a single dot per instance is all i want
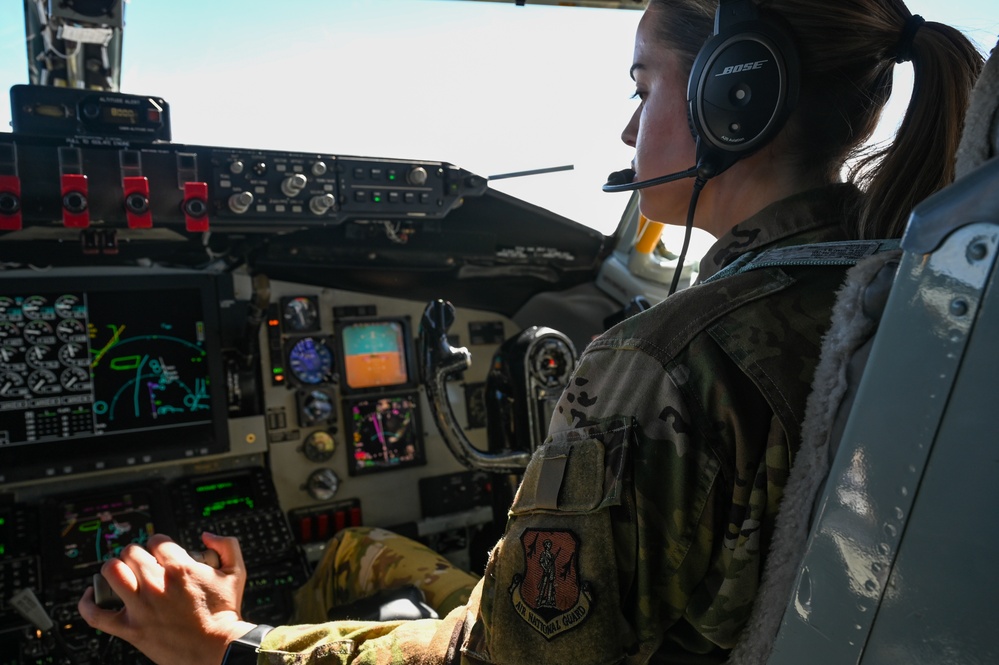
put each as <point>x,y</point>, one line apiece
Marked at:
<point>423,642</point>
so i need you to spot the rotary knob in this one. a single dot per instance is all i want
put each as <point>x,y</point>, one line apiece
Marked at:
<point>294,184</point>
<point>321,204</point>
<point>240,202</point>
<point>417,176</point>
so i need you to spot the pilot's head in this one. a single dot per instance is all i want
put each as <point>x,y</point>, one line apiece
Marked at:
<point>846,52</point>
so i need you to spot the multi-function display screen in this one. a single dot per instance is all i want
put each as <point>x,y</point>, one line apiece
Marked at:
<point>383,433</point>
<point>100,373</point>
<point>95,530</point>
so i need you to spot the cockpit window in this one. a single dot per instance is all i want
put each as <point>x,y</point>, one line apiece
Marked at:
<point>492,87</point>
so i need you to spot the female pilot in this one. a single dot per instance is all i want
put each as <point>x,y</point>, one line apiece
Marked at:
<point>646,516</point>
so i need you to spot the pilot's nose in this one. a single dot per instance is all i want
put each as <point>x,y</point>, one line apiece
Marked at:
<point>630,133</point>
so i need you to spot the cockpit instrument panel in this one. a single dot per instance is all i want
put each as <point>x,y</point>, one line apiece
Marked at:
<point>92,366</point>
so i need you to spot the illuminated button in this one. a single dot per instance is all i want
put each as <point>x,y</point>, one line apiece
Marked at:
<point>377,197</point>
<point>392,175</point>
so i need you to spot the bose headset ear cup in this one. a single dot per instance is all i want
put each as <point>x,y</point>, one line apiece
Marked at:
<point>742,87</point>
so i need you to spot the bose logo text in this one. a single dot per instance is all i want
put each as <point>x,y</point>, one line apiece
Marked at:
<point>732,69</point>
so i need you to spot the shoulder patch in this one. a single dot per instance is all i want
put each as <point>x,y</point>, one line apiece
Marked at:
<point>549,595</point>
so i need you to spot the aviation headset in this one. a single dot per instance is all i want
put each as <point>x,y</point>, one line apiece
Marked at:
<point>741,90</point>
<point>742,87</point>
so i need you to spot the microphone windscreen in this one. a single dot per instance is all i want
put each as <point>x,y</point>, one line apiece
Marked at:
<point>621,177</point>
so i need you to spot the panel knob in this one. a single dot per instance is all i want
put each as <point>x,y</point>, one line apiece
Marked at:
<point>294,184</point>
<point>417,176</point>
<point>240,202</point>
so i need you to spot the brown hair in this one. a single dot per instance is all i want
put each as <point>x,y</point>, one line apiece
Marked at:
<point>848,50</point>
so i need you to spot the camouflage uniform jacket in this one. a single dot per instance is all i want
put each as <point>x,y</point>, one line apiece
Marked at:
<point>638,532</point>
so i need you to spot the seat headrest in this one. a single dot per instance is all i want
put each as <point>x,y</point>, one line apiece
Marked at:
<point>980,138</point>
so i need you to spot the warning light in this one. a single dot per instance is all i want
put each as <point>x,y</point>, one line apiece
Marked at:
<point>273,323</point>
<point>278,370</point>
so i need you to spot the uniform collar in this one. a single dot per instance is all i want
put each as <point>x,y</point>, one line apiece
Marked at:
<point>813,216</point>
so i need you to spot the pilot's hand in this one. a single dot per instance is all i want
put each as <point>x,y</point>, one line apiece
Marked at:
<point>177,610</point>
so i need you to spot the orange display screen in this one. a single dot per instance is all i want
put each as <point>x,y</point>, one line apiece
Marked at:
<point>374,354</point>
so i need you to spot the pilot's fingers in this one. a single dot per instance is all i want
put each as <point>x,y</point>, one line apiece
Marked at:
<point>167,552</point>
<point>157,538</point>
<point>228,550</point>
<point>120,576</point>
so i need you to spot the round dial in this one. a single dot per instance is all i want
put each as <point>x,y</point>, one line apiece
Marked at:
<point>41,356</point>
<point>43,382</point>
<point>12,385</point>
<point>74,355</point>
<point>71,330</point>
<point>319,446</point>
<point>315,407</point>
<point>75,378</point>
<point>38,332</point>
<point>10,333</point>
<point>33,306</point>
<point>310,361</point>
<point>300,314</point>
<point>7,307</point>
<point>68,307</point>
<point>551,362</point>
<point>11,356</point>
<point>322,484</point>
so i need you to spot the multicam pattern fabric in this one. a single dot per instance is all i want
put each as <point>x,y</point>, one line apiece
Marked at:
<point>660,480</point>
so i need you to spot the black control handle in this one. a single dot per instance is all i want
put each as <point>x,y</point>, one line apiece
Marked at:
<point>441,360</point>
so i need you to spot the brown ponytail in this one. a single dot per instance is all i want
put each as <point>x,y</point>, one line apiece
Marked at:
<point>921,158</point>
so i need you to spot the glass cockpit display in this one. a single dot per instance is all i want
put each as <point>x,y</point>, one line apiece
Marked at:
<point>100,368</point>
<point>383,433</point>
<point>375,354</point>
<point>94,530</point>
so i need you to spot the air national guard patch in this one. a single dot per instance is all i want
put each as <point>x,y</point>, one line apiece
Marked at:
<point>549,595</point>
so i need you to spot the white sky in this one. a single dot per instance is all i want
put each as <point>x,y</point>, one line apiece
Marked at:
<point>490,87</point>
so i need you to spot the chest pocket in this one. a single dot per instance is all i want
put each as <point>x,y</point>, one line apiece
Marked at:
<point>552,588</point>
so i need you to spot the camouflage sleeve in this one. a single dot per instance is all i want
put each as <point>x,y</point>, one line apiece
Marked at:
<point>359,563</point>
<point>612,528</point>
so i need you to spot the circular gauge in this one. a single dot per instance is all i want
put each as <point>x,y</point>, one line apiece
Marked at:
<point>7,308</point>
<point>71,330</point>
<point>551,362</point>
<point>319,446</point>
<point>75,378</point>
<point>33,306</point>
<point>322,484</point>
<point>315,407</point>
<point>73,355</point>
<point>38,332</point>
<point>12,385</point>
<point>41,356</point>
<point>9,334</point>
<point>68,306</point>
<point>10,356</point>
<point>310,361</point>
<point>300,314</point>
<point>43,382</point>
